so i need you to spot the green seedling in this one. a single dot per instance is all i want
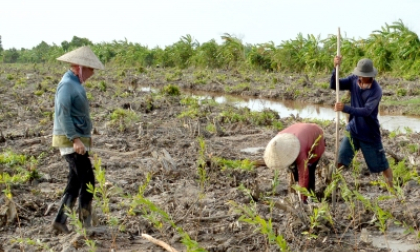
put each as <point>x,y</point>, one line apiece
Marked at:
<point>34,243</point>
<point>265,227</point>
<point>202,163</point>
<point>159,218</point>
<point>74,221</point>
<point>102,195</point>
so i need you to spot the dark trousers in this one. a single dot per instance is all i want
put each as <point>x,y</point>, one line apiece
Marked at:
<point>80,174</point>
<point>312,169</point>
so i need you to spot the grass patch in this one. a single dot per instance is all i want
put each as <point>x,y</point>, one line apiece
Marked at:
<point>410,102</point>
<point>226,164</point>
<point>238,88</point>
<point>20,169</point>
<point>170,90</point>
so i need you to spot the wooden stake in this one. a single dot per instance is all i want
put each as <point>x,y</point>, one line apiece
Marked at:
<point>337,125</point>
<point>159,242</point>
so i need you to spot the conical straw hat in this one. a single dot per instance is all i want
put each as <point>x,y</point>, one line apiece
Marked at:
<point>281,151</point>
<point>82,56</point>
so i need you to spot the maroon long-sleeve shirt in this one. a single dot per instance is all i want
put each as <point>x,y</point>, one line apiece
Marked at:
<point>307,133</point>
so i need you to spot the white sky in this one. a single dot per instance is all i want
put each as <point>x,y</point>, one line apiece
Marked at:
<point>25,23</point>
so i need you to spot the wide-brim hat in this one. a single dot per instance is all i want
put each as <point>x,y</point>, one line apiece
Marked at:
<point>82,56</point>
<point>365,68</point>
<point>281,151</point>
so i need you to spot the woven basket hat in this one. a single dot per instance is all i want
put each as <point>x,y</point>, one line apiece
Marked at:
<point>82,56</point>
<point>281,151</point>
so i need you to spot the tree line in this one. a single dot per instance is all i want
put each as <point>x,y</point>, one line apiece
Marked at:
<point>394,49</point>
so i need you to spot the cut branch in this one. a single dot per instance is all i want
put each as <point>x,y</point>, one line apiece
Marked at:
<point>159,242</point>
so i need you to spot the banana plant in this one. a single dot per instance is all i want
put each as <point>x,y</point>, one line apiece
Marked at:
<point>232,51</point>
<point>184,50</point>
<point>259,56</point>
<point>207,55</point>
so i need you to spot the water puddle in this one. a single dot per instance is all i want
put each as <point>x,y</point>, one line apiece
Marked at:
<point>305,110</point>
<point>395,240</point>
<point>372,195</point>
<point>253,150</point>
<point>321,112</point>
<point>394,244</point>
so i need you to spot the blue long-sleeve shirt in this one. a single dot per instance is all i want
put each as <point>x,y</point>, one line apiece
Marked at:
<point>72,117</point>
<point>363,123</point>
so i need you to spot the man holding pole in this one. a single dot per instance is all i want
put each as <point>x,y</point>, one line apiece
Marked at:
<point>363,123</point>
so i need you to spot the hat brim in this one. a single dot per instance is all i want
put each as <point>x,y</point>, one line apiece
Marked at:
<point>94,66</point>
<point>82,56</point>
<point>362,74</point>
<point>282,151</point>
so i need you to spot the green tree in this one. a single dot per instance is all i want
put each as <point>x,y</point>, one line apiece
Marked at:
<point>122,54</point>
<point>65,45</point>
<point>41,52</point>
<point>232,51</point>
<point>352,51</point>
<point>260,56</point>
<point>105,52</point>
<point>207,55</point>
<point>27,56</point>
<point>406,44</point>
<point>380,51</point>
<point>75,43</point>
<point>165,56</point>
<point>289,55</point>
<point>184,50</point>
<point>149,58</point>
<point>1,46</point>
<point>312,55</point>
<point>10,55</point>
<point>54,52</point>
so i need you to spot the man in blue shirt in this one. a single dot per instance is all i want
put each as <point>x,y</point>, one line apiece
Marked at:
<point>72,134</point>
<point>363,123</point>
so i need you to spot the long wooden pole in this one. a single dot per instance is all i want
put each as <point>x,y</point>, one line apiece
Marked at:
<point>337,122</point>
<point>337,95</point>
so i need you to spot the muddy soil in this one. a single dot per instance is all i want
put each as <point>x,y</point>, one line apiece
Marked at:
<point>166,148</point>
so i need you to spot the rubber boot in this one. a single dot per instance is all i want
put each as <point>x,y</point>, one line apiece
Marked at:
<point>59,223</point>
<point>85,215</point>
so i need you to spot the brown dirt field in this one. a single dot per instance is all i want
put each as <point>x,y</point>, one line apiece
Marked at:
<point>210,211</point>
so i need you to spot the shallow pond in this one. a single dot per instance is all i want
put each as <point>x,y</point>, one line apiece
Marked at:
<point>322,112</point>
<point>316,111</point>
<point>395,244</point>
<point>304,109</point>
